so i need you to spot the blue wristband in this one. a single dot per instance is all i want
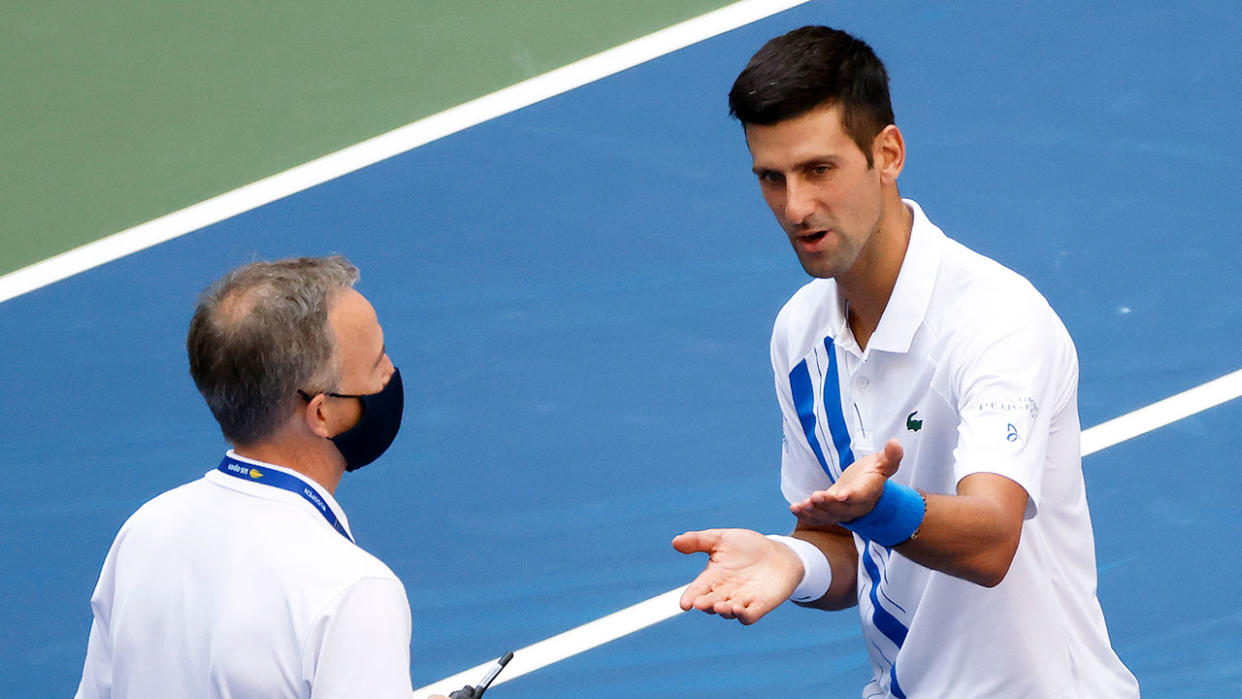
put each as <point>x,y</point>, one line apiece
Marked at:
<point>895,517</point>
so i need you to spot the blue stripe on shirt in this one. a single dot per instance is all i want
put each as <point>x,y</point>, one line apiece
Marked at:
<point>832,408</point>
<point>881,618</point>
<point>804,402</point>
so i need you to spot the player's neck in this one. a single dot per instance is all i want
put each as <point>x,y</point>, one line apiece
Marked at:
<point>868,286</point>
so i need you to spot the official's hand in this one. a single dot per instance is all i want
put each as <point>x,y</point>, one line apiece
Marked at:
<point>747,574</point>
<point>855,494</point>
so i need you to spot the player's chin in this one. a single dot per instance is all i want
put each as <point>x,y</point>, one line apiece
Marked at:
<point>818,265</point>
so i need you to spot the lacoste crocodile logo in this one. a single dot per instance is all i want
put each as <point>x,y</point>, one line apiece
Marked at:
<point>912,424</point>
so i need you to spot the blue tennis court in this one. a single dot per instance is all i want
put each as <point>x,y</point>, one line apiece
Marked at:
<point>579,295</point>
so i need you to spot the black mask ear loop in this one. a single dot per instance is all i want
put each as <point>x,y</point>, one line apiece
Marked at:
<point>376,428</point>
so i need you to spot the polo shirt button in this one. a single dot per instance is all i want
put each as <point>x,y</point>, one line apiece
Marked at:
<point>861,382</point>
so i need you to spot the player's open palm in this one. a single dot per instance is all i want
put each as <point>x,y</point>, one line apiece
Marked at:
<point>747,574</point>
<point>856,493</point>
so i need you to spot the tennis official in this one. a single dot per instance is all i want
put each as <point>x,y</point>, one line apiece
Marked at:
<point>247,582</point>
<point>961,531</point>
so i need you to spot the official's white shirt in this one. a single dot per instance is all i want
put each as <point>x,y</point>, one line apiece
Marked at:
<point>972,372</point>
<point>229,588</point>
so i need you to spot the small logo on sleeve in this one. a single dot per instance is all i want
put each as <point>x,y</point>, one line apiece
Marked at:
<point>1011,434</point>
<point>255,474</point>
<point>912,424</point>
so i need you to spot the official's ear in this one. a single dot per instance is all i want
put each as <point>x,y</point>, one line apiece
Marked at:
<point>315,416</point>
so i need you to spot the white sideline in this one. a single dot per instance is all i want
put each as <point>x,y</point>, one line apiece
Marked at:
<point>1162,413</point>
<point>399,140</point>
<point>665,606</point>
<point>567,644</point>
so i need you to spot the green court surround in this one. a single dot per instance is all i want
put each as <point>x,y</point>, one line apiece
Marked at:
<point>116,113</point>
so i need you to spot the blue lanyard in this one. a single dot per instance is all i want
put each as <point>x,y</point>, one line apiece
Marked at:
<point>277,479</point>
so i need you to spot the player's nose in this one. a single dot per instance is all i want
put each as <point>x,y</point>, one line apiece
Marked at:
<point>799,202</point>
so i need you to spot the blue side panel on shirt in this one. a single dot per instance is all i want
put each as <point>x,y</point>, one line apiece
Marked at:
<point>832,408</point>
<point>804,402</point>
<point>883,620</point>
<point>888,625</point>
<point>894,687</point>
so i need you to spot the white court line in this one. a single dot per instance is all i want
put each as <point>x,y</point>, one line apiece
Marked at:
<point>665,606</point>
<point>1162,413</point>
<point>567,644</point>
<point>386,145</point>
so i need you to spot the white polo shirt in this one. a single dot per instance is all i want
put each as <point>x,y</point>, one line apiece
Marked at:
<point>972,371</point>
<point>229,588</point>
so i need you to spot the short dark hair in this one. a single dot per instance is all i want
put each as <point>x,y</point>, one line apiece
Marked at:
<point>813,66</point>
<point>260,334</point>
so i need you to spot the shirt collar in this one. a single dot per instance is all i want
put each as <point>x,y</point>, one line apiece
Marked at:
<point>838,327</point>
<point>907,307</point>
<point>274,493</point>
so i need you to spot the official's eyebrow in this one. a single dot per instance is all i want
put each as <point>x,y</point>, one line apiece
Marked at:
<point>380,358</point>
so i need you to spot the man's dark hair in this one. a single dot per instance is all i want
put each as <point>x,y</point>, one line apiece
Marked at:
<point>809,67</point>
<point>259,335</point>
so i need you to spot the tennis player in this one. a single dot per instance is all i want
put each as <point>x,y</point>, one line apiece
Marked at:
<point>931,435</point>
<point>247,582</point>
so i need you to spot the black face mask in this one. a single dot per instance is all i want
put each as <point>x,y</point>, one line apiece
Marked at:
<point>378,426</point>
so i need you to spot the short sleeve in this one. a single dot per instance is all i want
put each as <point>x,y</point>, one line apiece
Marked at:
<point>360,645</point>
<point>801,473</point>
<point>1013,373</point>
<point>96,679</point>
<point>97,669</point>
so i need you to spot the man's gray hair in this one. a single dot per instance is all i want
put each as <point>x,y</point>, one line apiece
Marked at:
<point>261,334</point>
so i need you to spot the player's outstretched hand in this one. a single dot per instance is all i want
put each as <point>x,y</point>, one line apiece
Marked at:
<point>856,493</point>
<point>747,574</point>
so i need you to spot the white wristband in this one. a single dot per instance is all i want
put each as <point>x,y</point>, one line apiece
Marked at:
<point>816,573</point>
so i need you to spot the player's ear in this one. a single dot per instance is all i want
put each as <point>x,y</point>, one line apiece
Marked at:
<point>888,153</point>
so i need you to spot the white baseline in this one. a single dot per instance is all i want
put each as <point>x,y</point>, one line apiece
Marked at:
<point>666,605</point>
<point>386,145</point>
